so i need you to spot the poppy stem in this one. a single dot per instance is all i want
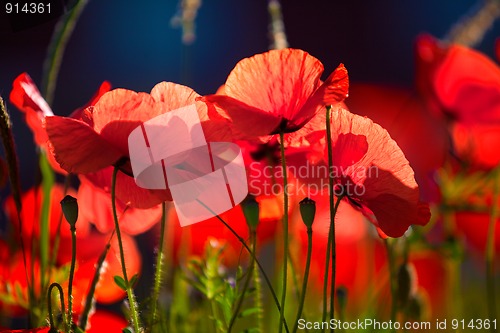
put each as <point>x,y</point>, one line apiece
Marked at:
<point>90,295</point>
<point>331,245</point>
<point>306,277</point>
<point>392,278</point>
<point>254,258</point>
<point>285,231</point>
<point>71,275</point>
<point>490,250</point>
<point>49,304</point>
<point>134,315</point>
<point>12,160</point>
<point>246,284</point>
<point>159,269</point>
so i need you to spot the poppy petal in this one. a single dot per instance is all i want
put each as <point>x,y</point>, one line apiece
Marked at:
<point>278,81</point>
<point>27,98</point>
<point>247,120</point>
<point>382,178</point>
<point>77,147</point>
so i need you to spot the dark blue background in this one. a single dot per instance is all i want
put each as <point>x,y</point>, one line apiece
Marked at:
<point>132,45</point>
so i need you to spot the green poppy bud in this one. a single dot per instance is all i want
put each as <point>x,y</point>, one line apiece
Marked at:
<point>251,209</point>
<point>70,209</point>
<point>341,294</point>
<point>307,211</point>
<point>406,283</point>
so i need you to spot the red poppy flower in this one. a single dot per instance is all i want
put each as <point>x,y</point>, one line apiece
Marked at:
<point>13,277</point>
<point>477,143</point>
<point>88,252</point>
<point>95,205</point>
<point>27,98</point>
<point>30,215</point>
<point>464,82</point>
<point>191,239</point>
<point>474,228</point>
<point>105,321</point>
<point>371,171</point>
<point>421,136</point>
<point>276,91</point>
<point>464,85</point>
<point>101,140</point>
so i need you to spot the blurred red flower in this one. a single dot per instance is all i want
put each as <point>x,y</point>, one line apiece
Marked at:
<point>422,137</point>
<point>279,90</point>
<point>463,85</point>
<point>191,239</point>
<point>473,227</point>
<point>31,213</point>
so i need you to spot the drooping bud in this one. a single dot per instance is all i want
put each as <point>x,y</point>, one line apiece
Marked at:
<point>341,294</point>
<point>415,309</point>
<point>307,211</point>
<point>70,209</point>
<point>407,283</point>
<point>251,210</point>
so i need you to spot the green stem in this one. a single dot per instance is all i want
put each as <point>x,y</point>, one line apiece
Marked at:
<point>71,275</point>
<point>285,231</point>
<point>306,277</point>
<point>48,180</point>
<point>49,304</point>
<point>392,278</point>
<point>90,295</point>
<point>130,294</point>
<point>252,254</point>
<point>57,237</point>
<point>15,185</point>
<point>246,284</point>
<point>490,251</point>
<point>56,49</point>
<point>158,269</point>
<point>258,298</point>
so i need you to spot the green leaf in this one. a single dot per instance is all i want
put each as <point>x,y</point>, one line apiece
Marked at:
<point>127,330</point>
<point>248,312</point>
<point>120,282</point>
<point>133,280</point>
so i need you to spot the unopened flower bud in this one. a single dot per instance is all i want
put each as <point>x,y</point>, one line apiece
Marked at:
<point>251,209</point>
<point>341,294</point>
<point>307,211</point>
<point>406,283</point>
<point>70,209</point>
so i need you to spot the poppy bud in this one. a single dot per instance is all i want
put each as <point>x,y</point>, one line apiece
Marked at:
<point>70,209</point>
<point>415,308</point>
<point>307,211</point>
<point>250,208</point>
<point>341,294</point>
<point>406,283</point>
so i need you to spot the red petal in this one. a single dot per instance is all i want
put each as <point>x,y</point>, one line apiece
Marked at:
<point>104,88</point>
<point>249,121</point>
<point>277,82</point>
<point>96,206</point>
<point>26,97</point>
<point>77,147</point>
<point>382,179</point>
<point>468,84</point>
<point>119,112</point>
